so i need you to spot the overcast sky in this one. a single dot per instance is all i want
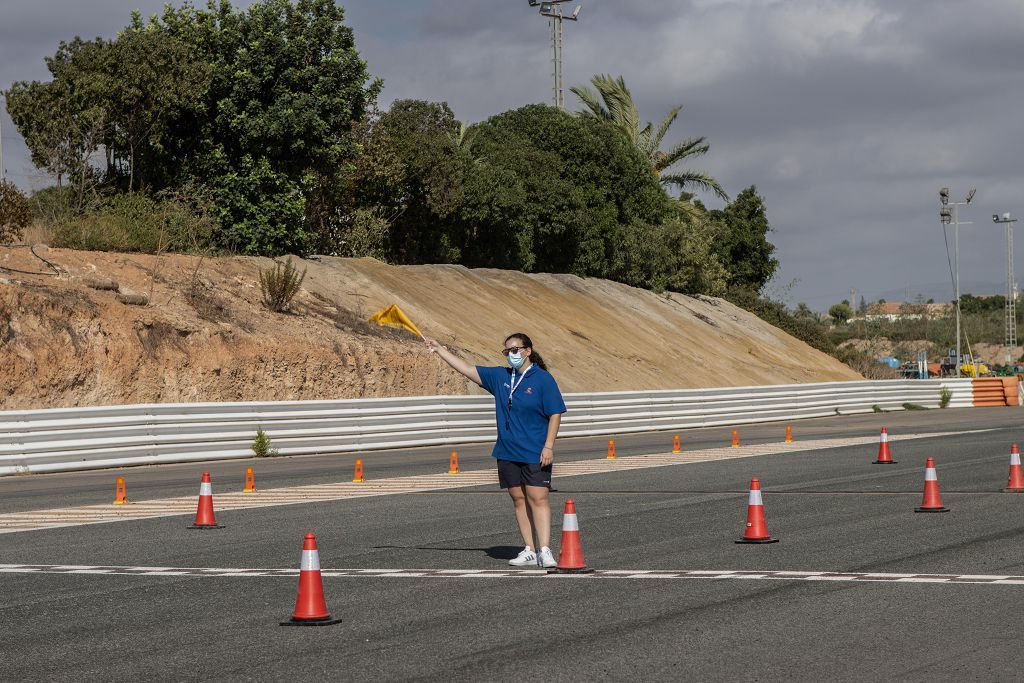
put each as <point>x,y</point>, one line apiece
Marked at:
<point>848,115</point>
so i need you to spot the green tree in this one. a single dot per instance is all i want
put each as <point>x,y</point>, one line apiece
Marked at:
<point>425,139</point>
<point>840,313</point>
<point>613,103</point>
<point>744,247</point>
<point>552,192</point>
<point>271,94</point>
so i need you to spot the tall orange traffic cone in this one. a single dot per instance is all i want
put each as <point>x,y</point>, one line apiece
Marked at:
<point>357,477</point>
<point>204,514</point>
<point>932,500</point>
<point>250,481</point>
<point>1015,483</point>
<point>611,449</point>
<point>310,606</point>
<point>677,446</point>
<point>884,456</point>
<point>789,434</point>
<point>735,439</point>
<point>570,557</point>
<point>756,530</point>
<point>120,492</point>
<point>453,463</point>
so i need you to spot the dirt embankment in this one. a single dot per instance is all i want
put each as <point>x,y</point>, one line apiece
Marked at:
<point>204,335</point>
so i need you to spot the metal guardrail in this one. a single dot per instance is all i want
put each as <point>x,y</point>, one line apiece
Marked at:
<point>65,439</point>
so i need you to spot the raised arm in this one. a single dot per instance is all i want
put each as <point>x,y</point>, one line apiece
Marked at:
<point>462,366</point>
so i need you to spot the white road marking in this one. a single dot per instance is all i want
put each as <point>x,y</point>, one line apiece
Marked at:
<point>32,520</point>
<point>857,577</point>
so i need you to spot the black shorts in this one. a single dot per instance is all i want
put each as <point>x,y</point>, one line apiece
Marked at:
<point>513,473</point>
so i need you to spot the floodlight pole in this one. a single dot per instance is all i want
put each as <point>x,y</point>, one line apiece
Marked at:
<point>3,171</point>
<point>556,48</point>
<point>553,11</point>
<point>1011,289</point>
<point>944,195</point>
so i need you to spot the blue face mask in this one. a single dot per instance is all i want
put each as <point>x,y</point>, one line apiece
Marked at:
<point>516,360</point>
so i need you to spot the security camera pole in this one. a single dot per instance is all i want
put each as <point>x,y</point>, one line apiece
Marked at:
<point>553,11</point>
<point>947,216</point>
<point>1011,287</point>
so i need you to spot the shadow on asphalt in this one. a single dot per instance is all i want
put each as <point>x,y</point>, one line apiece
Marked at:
<point>495,552</point>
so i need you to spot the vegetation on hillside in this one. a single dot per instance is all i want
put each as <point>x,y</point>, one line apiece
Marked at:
<point>264,121</point>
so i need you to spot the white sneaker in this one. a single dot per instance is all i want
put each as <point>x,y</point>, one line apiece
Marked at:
<point>545,558</point>
<point>525,558</point>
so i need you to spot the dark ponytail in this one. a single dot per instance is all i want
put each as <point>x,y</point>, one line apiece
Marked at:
<point>525,340</point>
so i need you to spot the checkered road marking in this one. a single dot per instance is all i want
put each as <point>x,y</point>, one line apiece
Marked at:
<point>97,514</point>
<point>1002,580</point>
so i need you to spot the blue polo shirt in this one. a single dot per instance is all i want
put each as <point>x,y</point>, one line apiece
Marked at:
<point>522,428</point>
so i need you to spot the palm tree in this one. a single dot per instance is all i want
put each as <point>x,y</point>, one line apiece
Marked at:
<point>613,103</point>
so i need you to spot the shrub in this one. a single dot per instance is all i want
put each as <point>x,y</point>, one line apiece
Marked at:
<point>913,406</point>
<point>135,222</point>
<point>877,409</point>
<point>280,285</point>
<point>945,396</point>
<point>15,212</point>
<point>261,445</point>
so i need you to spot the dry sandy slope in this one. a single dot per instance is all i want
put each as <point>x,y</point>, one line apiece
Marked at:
<point>63,343</point>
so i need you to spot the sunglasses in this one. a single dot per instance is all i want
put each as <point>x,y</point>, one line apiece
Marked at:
<point>513,349</point>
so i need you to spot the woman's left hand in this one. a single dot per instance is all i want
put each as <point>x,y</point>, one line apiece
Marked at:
<point>547,456</point>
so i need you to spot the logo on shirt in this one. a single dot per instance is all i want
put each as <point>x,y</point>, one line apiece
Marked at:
<point>529,390</point>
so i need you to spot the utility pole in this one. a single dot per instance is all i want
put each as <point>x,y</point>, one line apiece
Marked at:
<point>3,171</point>
<point>553,11</point>
<point>945,215</point>
<point>1011,288</point>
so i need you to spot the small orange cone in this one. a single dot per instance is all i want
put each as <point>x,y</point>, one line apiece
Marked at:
<point>932,500</point>
<point>204,514</point>
<point>1015,483</point>
<point>789,434</point>
<point>570,557</point>
<point>735,439</point>
<point>120,492</point>
<point>611,449</point>
<point>453,463</point>
<point>756,530</point>
<point>677,446</point>
<point>250,481</point>
<point>884,456</point>
<point>358,476</point>
<point>310,606</point>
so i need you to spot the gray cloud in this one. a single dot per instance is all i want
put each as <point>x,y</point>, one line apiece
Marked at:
<point>847,114</point>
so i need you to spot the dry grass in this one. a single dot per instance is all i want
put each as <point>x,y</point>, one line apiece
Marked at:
<point>36,233</point>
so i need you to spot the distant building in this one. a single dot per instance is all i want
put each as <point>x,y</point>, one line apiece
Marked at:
<point>899,310</point>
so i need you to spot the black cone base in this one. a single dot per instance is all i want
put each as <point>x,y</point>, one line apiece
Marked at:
<point>326,621</point>
<point>1013,490</point>
<point>931,509</point>
<point>205,526</point>
<point>584,570</point>
<point>884,462</point>
<point>758,540</point>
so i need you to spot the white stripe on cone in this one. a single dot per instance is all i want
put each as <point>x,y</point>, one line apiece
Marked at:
<point>1014,458</point>
<point>929,474</point>
<point>755,497</point>
<point>569,523</point>
<point>206,489</point>
<point>310,561</point>
<point>885,437</point>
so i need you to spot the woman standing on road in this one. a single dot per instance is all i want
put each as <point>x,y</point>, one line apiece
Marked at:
<point>529,408</point>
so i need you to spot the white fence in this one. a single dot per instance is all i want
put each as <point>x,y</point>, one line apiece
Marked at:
<point>116,436</point>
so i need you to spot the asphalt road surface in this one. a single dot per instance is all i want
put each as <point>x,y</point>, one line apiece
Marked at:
<point>943,618</point>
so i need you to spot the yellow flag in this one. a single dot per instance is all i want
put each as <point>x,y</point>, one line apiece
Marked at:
<point>393,315</point>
